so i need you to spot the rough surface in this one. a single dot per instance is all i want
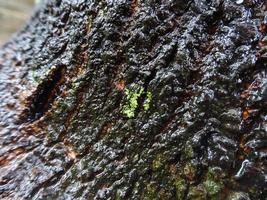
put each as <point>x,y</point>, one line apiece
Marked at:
<point>192,75</point>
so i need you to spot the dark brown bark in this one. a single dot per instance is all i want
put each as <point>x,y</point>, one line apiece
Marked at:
<point>135,100</point>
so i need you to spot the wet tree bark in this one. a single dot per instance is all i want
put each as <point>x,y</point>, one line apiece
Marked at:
<point>141,99</point>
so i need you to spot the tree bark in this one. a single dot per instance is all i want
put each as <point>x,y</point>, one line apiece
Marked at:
<point>141,99</point>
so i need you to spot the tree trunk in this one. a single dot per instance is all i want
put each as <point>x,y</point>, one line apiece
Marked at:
<point>141,99</point>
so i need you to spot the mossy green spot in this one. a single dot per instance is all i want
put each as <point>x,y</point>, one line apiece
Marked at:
<point>197,193</point>
<point>150,192</point>
<point>180,186</point>
<point>213,183</point>
<point>188,151</point>
<point>190,172</point>
<point>147,101</point>
<point>212,187</point>
<point>132,102</point>
<point>158,162</point>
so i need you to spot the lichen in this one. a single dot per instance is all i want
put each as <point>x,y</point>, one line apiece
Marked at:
<point>132,98</point>
<point>188,151</point>
<point>74,88</point>
<point>189,172</point>
<point>158,162</point>
<point>197,193</point>
<point>212,188</point>
<point>180,186</point>
<point>213,183</point>
<point>150,192</point>
<point>147,101</point>
<point>132,102</point>
<point>117,195</point>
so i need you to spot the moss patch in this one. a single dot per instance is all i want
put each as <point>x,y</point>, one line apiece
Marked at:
<point>147,101</point>
<point>132,102</point>
<point>150,192</point>
<point>180,186</point>
<point>132,97</point>
<point>197,193</point>
<point>213,183</point>
<point>189,172</point>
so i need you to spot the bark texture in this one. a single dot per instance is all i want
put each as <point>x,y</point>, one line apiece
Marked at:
<point>141,99</point>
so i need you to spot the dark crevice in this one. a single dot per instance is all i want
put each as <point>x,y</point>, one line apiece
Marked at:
<point>43,97</point>
<point>214,20</point>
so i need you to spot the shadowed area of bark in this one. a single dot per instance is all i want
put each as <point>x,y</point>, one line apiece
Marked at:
<point>135,100</point>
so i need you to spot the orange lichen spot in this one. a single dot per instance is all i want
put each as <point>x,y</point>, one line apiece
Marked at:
<point>242,143</point>
<point>4,160</point>
<point>247,113</point>
<point>11,155</point>
<point>120,84</point>
<point>245,149</point>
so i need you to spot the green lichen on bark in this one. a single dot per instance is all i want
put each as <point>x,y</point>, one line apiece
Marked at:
<point>132,97</point>
<point>180,186</point>
<point>132,101</point>
<point>213,183</point>
<point>147,101</point>
<point>210,188</point>
<point>78,127</point>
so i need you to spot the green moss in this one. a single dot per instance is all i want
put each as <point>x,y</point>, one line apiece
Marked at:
<point>132,102</point>
<point>180,186</point>
<point>74,88</point>
<point>197,193</point>
<point>188,151</point>
<point>158,162</point>
<point>132,98</point>
<point>213,183</point>
<point>212,187</point>
<point>150,192</point>
<point>147,101</point>
<point>117,196</point>
<point>189,172</point>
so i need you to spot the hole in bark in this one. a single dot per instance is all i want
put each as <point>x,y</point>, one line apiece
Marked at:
<point>41,100</point>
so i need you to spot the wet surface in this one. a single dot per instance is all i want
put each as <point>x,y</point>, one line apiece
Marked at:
<point>63,89</point>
